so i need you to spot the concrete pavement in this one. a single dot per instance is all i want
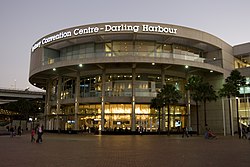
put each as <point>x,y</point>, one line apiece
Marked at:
<point>122,151</point>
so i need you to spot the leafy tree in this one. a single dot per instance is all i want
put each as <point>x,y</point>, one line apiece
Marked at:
<point>208,94</point>
<point>231,88</point>
<point>157,103</point>
<point>170,95</point>
<point>25,108</point>
<point>194,87</point>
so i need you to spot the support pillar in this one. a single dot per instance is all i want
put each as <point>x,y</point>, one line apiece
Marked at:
<point>133,118</point>
<point>163,125</point>
<point>231,117</point>
<point>189,111</point>
<point>103,99</point>
<point>47,104</point>
<point>224,117</point>
<point>77,96</point>
<point>58,102</point>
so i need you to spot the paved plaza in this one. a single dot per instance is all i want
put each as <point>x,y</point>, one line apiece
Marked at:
<point>121,151</point>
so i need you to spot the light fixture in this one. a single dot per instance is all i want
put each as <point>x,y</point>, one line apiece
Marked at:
<point>80,65</point>
<point>153,64</point>
<point>54,69</point>
<point>186,66</point>
<point>211,71</point>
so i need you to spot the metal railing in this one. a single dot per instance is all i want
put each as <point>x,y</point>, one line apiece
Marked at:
<point>195,58</point>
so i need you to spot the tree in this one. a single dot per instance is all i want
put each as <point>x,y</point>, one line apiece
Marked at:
<point>25,108</point>
<point>170,95</point>
<point>207,94</point>
<point>157,103</point>
<point>231,88</point>
<point>194,86</point>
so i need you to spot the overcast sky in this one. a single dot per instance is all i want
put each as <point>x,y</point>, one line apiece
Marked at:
<point>22,23</point>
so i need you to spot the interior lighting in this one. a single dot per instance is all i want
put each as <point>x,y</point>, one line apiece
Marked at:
<point>80,65</point>
<point>214,58</point>
<point>54,69</point>
<point>186,66</point>
<point>211,71</point>
<point>153,64</point>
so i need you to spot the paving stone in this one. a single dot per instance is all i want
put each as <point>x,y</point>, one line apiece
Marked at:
<point>66,150</point>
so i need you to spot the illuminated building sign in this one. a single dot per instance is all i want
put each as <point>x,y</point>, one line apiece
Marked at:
<point>106,28</point>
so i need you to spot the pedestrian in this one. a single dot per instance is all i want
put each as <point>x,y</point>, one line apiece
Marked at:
<point>244,133</point>
<point>19,130</point>
<point>12,131</point>
<point>185,132</point>
<point>39,134</point>
<point>33,132</point>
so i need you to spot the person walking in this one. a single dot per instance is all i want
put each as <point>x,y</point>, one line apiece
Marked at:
<point>12,131</point>
<point>185,132</point>
<point>39,134</point>
<point>33,132</point>
<point>19,131</point>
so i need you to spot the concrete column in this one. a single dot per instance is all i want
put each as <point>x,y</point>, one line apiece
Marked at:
<point>133,118</point>
<point>58,101</point>
<point>163,124</point>
<point>224,117</point>
<point>47,103</point>
<point>103,99</point>
<point>189,108</point>
<point>188,102</point>
<point>232,117</point>
<point>77,96</point>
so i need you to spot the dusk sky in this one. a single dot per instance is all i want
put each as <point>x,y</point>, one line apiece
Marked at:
<point>24,22</point>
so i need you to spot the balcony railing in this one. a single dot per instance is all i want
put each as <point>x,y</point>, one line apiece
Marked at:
<point>187,57</point>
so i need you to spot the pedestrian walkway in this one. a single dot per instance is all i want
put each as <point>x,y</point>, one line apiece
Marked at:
<point>66,150</point>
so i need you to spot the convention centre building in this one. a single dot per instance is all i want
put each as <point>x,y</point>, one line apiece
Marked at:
<point>104,75</point>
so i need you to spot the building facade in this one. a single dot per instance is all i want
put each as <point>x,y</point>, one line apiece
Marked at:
<point>105,75</point>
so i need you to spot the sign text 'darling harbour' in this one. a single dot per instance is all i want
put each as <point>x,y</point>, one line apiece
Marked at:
<point>106,28</point>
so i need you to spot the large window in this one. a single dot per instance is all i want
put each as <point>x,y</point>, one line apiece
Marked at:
<point>90,86</point>
<point>68,88</point>
<point>123,48</point>
<point>144,48</point>
<point>50,56</point>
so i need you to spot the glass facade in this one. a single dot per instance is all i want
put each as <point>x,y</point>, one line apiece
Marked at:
<point>146,85</point>
<point>123,48</point>
<point>117,116</point>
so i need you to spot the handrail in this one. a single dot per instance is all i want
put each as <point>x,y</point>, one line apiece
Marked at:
<point>193,57</point>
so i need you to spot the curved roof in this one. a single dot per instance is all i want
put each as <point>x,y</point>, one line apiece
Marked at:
<point>130,30</point>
